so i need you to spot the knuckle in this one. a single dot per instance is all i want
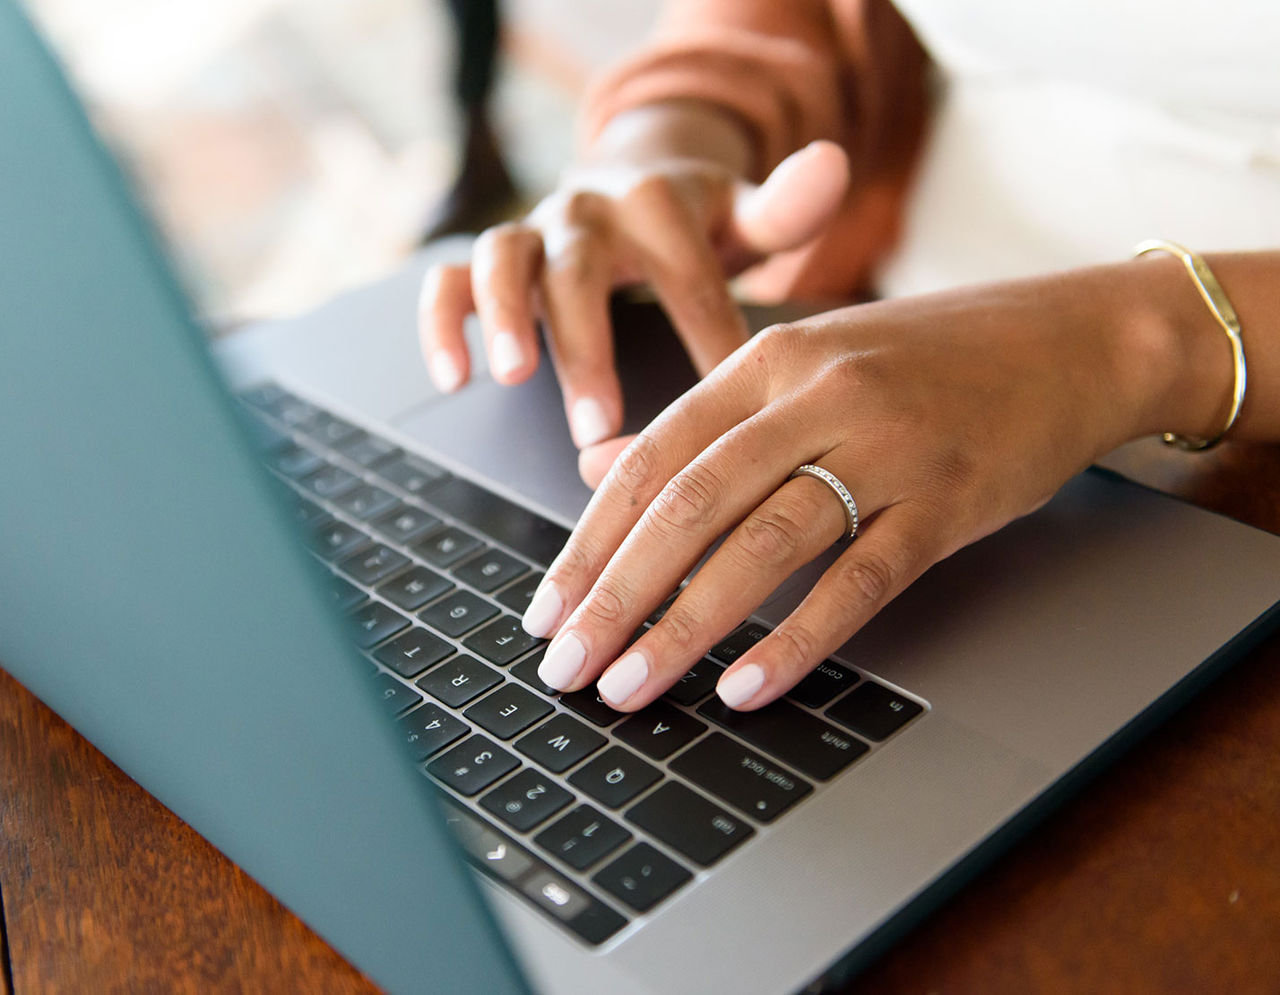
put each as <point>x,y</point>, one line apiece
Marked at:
<point>652,189</point>
<point>690,500</point>
<point>679,627</point>
<point>798,646</point>
<point>951,471</point>
<point>634,474</point>
<point>573,259</point>
<point>607,605</point>
<point>581,208</point>
<point>773,536</point>
<point>869,579</point>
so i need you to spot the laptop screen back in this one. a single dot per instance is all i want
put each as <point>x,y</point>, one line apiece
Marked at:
<point>151,591</point>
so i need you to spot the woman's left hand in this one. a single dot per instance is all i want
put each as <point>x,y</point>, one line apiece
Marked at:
<point>945,416</point>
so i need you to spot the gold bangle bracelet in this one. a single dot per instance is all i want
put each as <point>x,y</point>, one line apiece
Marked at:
<point>1219,304</point>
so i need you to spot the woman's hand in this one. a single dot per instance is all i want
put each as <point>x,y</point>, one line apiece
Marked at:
<point>946,416</point>
<point>678,222</point>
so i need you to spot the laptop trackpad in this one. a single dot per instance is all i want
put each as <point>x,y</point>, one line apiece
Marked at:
<point>517,438</point>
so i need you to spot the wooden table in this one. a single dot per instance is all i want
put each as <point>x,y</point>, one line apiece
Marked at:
<point>1162,876</point>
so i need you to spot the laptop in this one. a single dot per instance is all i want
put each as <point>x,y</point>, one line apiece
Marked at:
<point>279,585</point>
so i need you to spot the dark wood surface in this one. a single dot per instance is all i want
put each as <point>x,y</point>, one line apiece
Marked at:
<point>1161,876</point>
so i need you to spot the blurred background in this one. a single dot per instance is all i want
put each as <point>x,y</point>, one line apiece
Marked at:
<point>290,148</point>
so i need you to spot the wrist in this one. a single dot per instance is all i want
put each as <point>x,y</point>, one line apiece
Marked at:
<point>1183,360</point>
<point>678,129</point>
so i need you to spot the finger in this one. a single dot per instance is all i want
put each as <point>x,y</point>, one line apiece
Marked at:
<point>667,445</point>
<point>894,550</point>
<point>678,259</point>
<point>504,267</point>
<point>795,202</point>
<point>718,489</point>
<point>793,525</point>
<point>443,306</point>
<point>594,461</point>
<point>576,282</point>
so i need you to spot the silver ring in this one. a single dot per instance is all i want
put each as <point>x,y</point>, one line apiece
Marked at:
<point>842,492</point>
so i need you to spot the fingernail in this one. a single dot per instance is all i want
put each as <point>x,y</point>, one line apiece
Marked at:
<point>624,678</point>
<point>543,611</point>
<point>446,372</point>
<point>588,422</point>
<point>563,661</point>
<point>506,355</point>
<point>741,686</point>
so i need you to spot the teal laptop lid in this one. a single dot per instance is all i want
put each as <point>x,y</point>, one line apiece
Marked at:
<point>151,591</point>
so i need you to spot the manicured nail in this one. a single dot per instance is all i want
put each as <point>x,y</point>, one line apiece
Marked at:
<point>741,686</point>
<point>624,678</point>
<point>505,355</point>
<point>563,661</point>
<point>446,372</point>
<point>588,422</point>
<point>543,611</point>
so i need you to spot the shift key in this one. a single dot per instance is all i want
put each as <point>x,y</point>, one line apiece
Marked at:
<point>745,779</point>
<point>813,747</point>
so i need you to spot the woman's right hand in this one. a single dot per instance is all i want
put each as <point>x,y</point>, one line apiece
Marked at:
<point>682,224</point>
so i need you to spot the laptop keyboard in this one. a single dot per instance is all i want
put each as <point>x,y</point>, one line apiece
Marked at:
<point>593,816</point>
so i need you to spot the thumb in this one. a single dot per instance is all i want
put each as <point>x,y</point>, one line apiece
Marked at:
<point>794,202</point>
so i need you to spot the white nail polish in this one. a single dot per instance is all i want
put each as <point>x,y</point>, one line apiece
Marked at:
<point>624,678</point>
<point>505,355</point>
<point>588,422</point>
<point>563,661</point>
<point>543,611</point>
<point>445,372</point>
<point>741,686</point>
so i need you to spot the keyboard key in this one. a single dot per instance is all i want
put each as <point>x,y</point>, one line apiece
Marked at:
<point>330,430</point>
<point>446,546</point>
<point>374,623</point>
<point>295,461</point>
<point>515,527</point>
<point>517,596</point>
<point>502,641</point>
<point>739,642</point>
<point>412,474</point>
<point>508,711</point>
<point>745,779</point>
<point>367,450</point>
<point>404,524</point>
<point>591,706</point>
<point>429,730</point>
<point>372,565</point>
<point>336,539</point>
<point>460,680</point>
<point>489,570</point>
<point>582,837</point>
<point>460,612</point>
<point>414,588</point>
<point>366,502</point>
<point>872,710</point>
<point>659,730</point>
<point>824,682</point>
<point>344,596</point>
<point>395,697</point>
<point>560,743</point>
<point>414,652</point>
<point>557,894</point>
<point>472,765</point>
<point>526,800</point>
<point>642,877</point>
<point>527,671</point>
<point>687,822</point>
<point>330,482</point>
<point>266,396</point>
<point>308,515</point>
<point>795,737</point>
<point>487,848</point>
<point>615,777</point>
<point>296,412</point>
<point>699,682</point>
